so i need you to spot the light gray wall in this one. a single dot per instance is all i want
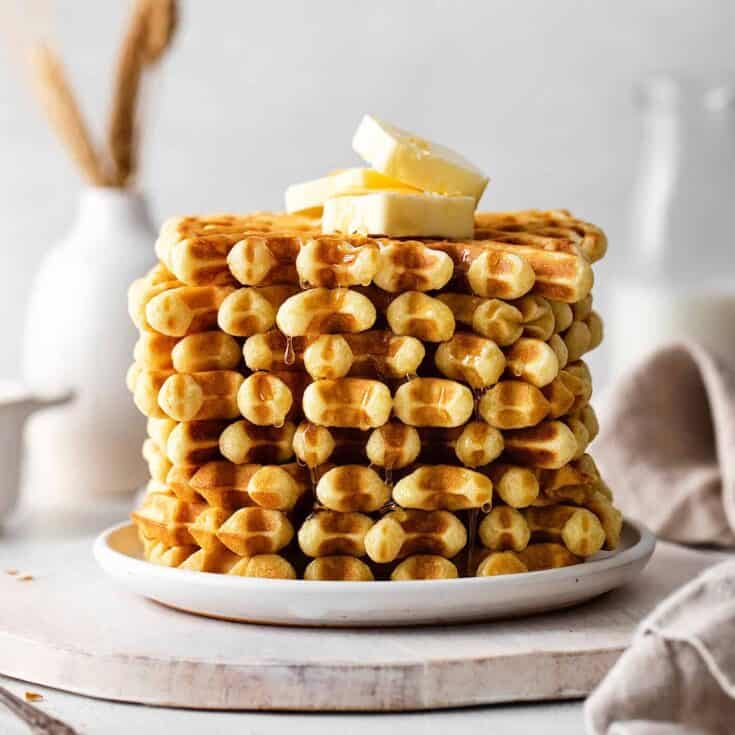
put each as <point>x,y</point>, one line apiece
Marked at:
<point>257,95</point>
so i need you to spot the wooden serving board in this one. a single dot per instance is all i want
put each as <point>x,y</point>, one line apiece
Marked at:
<point>70,627</point>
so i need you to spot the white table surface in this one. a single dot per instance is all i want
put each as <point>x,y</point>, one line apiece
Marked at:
<point>90,716</point>
<point>93,717</point>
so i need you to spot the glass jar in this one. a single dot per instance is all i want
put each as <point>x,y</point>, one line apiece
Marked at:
<point>678,277</point>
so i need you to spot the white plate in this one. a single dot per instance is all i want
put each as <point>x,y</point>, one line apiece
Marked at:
<point>296,602</point>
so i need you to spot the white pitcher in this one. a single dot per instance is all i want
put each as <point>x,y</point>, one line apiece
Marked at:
<point>16,405</point>
<point>79,337</point>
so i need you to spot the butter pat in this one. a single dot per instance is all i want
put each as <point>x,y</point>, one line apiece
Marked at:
<point>311,195</point>
<point>400,214</point>
<point>417,162</point>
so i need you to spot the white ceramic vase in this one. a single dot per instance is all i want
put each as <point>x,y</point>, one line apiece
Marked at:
<point>79,336</point>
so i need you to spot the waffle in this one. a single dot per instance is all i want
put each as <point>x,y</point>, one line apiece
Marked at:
<point>402,533</point>
<point>557,224</point>
<point>437,487</point>
<point>324,311</point>
<point>227,485</point>
<point>579,528</point>
<point>534,558</point>
<point>338,569</point>
<point>472,359</point>
<point>504,528</point>
<point>355,408</point>
<point>433,402</point>
<point>201,396</point>
<point>349,488</point>
<point>244,443</point>
<point>424,566</point>
<point>415,314</point>
<point>377,354</point>
<point>348,402</point>
<point>269,398</point>
<point>328,533</point>
<point>205,236</point>
<point>511,255</point>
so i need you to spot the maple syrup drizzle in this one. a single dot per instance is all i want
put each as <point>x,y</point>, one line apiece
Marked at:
<point>289,354</point>
<point>314,478</point>
<point>477,394</point>
<point>388,477</point>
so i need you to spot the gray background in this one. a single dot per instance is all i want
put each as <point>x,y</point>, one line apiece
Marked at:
<point>257,95</point>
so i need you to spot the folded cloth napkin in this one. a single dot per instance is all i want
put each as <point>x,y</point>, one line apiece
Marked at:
<point>667,444</point>
<point>678,676</point>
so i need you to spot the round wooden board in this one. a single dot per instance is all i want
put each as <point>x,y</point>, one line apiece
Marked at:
<point>72,628</point>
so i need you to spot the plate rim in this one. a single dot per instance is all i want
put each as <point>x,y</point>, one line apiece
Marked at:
<point>105,555</point>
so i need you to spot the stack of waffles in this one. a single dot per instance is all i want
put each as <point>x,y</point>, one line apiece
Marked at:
<point>345,407</point>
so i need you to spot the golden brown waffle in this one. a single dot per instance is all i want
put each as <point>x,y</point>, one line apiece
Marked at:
<point>248,311</point>
<point>424,566</point>
<point>227,485</point>
<point>443,487</point>
<point>349,488</point>
<point>195,241</point>
<point>195,442</point>
<point>337,397</point>
<point>244,443</point>
<point>377,353</point>
<point>338,569</point>
<point>433,402</point>
<point>402,533</point>
<point>415,314</point>
<point>578,528</point>
<point>555,224</point>
<point>246,532</point>
<point>159,464</point>
<point>517,486</point>
<point>510,255</point>
<point>219,561</point>
<point>475,360</point>
<point>270,398</point>
<point>325,311</point>
<point>534,558</point>
<point>326,533</point>
<point>347,402</point>
<point>201,396</point>
<point>265,566</point>
<point>504,528</point>
<point>167,519</point>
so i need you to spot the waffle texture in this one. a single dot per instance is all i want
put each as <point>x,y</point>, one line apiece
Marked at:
<point>355,408</point>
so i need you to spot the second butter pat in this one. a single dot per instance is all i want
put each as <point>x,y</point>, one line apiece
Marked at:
<point>399,214</point>
<point>311,195</point>
<point>415,161</point>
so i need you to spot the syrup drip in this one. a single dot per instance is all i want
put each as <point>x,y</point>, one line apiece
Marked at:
<point>289,354</point>
<point>388,477</point>
<point>477,393</point>
<point>471,538</point>
<point>388,507</point>
<point>465,257</point>
<point>314,477</point>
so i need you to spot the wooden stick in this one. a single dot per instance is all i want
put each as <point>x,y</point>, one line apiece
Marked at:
<point>163,20</point>
<point>60,106</point>
<point>149,33</point>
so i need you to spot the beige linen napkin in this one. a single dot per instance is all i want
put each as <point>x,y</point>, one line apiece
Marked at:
<point>667,445</point>
<point>678,676</point>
